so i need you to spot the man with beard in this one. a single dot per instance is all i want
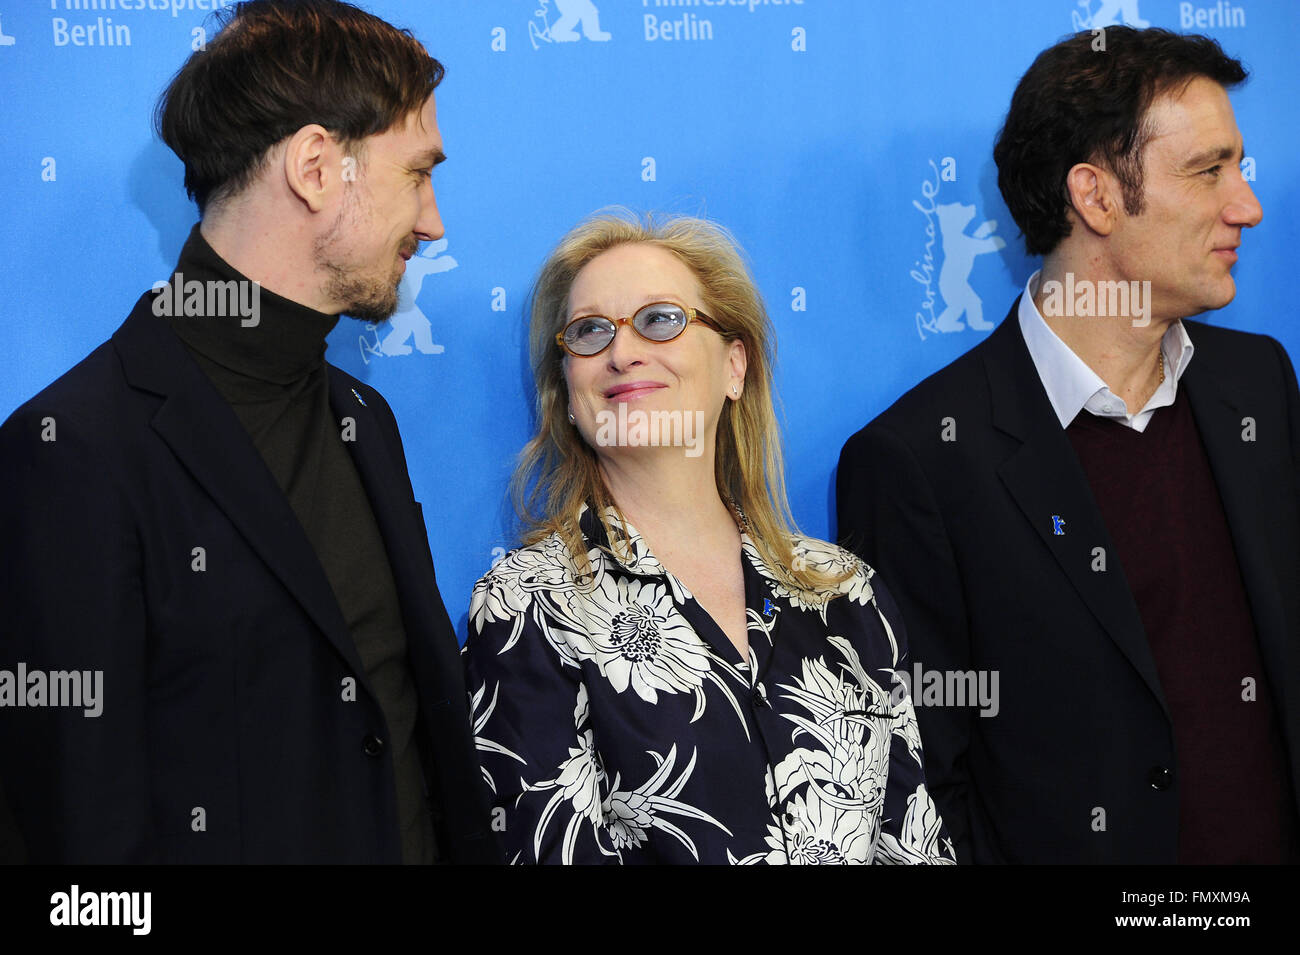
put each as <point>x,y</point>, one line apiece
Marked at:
<point>221,523</point>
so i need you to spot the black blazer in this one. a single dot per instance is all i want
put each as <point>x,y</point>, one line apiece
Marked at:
<point>226,734</point>
<point>962,533</point>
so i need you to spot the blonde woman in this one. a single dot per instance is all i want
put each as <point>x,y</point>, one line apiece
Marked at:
<point>666,671</point>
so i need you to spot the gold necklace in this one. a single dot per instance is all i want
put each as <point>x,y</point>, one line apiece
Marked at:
<point>1162,368</point>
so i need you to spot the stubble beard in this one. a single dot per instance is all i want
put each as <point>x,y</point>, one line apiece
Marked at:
<point>366,297</point>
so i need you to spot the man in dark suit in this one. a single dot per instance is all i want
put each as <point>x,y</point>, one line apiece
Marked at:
<point>221,628</point>
<point>1098,504</point>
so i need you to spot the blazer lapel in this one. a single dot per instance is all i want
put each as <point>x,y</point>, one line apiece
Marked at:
<point>1047,482</point>
<point>386,484</point>
<point>377,456</point>
<point>1244,492</point>
<point>206,436</point>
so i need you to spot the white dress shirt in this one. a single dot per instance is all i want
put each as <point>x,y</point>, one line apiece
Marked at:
<point>1071,385</point>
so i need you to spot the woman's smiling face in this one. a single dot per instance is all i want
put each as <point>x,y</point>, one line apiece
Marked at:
<point>693,372</point>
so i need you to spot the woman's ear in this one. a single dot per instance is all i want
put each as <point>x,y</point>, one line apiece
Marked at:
<point>738,362</point>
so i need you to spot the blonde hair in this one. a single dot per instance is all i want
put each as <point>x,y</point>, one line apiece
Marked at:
<point>558,472</point>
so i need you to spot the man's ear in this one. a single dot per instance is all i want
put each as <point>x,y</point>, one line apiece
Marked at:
<point>311,165</point>
<point>1095,197</point>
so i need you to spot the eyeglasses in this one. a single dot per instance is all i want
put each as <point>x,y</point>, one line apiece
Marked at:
<point>589,335</point>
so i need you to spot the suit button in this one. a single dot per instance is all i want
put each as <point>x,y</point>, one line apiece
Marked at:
<point>372,745</point>
<point>1160,778</point>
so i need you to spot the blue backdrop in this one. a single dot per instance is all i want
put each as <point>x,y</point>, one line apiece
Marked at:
<point>845,142</point>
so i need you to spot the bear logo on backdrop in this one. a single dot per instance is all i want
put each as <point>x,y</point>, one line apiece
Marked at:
<point>571,15</point>
<point>408,323</point>
<point>946,226</point>
<point>1108,13</point>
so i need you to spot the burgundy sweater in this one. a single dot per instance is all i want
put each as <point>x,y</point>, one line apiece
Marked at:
<point>1161,505</point>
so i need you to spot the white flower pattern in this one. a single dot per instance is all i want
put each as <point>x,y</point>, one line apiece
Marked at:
<point>638,639</point>
<point>797,755</point>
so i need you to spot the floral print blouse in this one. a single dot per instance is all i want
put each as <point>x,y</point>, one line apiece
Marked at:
<point>616,723</point>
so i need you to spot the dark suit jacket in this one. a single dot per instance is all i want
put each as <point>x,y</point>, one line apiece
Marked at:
<point>962,533</point>
<point>226,733</point>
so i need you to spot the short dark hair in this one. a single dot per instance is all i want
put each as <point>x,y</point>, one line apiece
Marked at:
<point>1076,104</point>
<point>276,67</point>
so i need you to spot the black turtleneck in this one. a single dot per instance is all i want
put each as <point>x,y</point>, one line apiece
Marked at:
<point>272,373</point>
